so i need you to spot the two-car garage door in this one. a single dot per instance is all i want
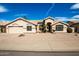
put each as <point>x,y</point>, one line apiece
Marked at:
<point>15,29</point>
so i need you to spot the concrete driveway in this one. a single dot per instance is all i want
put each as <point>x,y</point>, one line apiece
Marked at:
<point>40,42</point>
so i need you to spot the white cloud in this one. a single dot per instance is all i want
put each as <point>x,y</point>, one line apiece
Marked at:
<point>4,20</point>
<point>76,16</point>
<point>75,6</point>
<point>72,19</point>
<point>61,18</point>
<point>65,18</point>
<point>3,9</point>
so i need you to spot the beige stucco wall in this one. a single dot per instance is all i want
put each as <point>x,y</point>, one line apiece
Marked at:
<point>38,28</point>
<point>20,29</point>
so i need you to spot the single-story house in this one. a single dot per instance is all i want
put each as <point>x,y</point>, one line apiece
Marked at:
<point>21,25</point>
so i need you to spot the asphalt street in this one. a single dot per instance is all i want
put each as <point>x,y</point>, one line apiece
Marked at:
<point>39,53</point>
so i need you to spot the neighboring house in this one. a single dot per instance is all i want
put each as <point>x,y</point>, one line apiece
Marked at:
<point>21,25</point>
<point>2,26</point>
<point>74,24</point>
<point>76,27</point>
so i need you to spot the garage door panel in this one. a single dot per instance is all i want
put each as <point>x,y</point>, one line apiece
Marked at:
<point>15,30</point>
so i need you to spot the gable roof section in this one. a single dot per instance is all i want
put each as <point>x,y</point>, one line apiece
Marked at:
<point>49,17</point>
<point>20,19</point>
<point>75,24</point>
<point>60,22</point>
<point>36,22</point>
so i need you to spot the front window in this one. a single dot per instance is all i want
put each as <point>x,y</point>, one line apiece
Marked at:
<point>29,28</point>
<point>59,27</point>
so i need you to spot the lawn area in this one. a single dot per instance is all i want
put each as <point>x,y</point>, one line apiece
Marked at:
<point>40,42</point>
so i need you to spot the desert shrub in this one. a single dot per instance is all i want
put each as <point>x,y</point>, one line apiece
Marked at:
<point>1,30</point>
<point>44,28</point>
<point>44,31</point>
<point>69,30</point>
<point>21,35</point>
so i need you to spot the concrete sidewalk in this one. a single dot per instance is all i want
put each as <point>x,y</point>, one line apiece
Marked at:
<point>40,42</point>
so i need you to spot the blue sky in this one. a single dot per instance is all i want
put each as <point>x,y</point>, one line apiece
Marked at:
<point>38,11</point>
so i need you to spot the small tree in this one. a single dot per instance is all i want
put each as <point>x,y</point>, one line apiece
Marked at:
<point>44,28</point>
<point>69,30</point>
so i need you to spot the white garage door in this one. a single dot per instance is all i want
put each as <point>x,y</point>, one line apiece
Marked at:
<point>17,29</point>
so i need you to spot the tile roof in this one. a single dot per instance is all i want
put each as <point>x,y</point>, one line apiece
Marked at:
<point>75,21</point>
<point>3,23</point>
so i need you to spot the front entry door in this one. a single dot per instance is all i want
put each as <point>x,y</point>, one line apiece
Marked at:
<point>49,27</point>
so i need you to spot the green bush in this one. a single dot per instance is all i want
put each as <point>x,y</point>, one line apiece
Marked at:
<point>69,30</point>
<point>44,31</point>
